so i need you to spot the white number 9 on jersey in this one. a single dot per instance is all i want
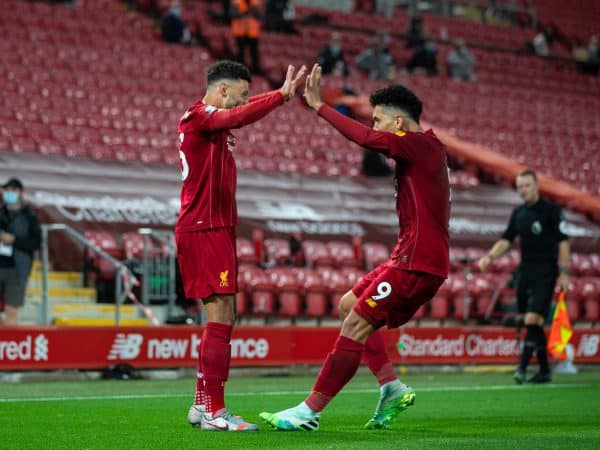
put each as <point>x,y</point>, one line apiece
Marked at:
<point>383,290</point>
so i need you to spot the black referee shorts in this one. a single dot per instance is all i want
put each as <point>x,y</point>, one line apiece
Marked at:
<point>535,288</point>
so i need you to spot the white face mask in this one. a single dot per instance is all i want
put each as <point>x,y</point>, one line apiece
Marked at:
<point>335,49</point>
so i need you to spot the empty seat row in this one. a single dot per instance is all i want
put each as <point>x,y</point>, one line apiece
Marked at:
<point>314,291</point>
<point>277,251</point>
<point>127,84</point>
<point>308,293</point>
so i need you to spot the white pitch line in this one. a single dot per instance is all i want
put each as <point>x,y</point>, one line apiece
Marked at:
<point>278,393</point>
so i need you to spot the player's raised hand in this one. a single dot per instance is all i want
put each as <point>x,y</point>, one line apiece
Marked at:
<point>312,90</point>
<point>291,83</point>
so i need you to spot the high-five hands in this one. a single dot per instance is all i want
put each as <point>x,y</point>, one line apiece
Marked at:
<point>291,83</point>
<point>312,90</point>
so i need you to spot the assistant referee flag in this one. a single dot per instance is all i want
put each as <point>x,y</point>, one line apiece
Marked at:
<point>561,330</point>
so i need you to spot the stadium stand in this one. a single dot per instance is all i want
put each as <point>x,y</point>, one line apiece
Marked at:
<point>91,96</point>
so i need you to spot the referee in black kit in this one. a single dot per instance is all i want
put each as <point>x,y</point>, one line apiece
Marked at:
<point>545,255</point>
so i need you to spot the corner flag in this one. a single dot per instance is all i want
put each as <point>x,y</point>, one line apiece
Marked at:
<point>561,330</point>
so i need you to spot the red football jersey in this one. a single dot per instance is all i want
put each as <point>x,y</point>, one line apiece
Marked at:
<point>422,191</point>
<point>207,165</point>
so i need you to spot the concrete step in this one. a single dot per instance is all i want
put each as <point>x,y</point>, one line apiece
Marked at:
<point>70,295</point>
<point>92,310</point>
<point>74,314</point>
<point>95,322</point>
<point>31,312</point>
<point>57,280</point>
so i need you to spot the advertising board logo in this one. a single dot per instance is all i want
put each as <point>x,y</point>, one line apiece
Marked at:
<point>126,346</point>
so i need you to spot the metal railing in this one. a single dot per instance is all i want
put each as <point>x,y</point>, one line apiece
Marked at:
<point>159,268</point>
<point>120,289</point>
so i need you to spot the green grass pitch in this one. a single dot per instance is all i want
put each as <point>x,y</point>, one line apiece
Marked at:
<point>452,411</point>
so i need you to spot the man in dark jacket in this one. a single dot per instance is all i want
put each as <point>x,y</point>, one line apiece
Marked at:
<point>174,29</point>
<point>20,236</point>
<point>331,58</point>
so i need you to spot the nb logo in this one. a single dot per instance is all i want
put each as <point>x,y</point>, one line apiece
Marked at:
<point>126,346</point>
<point>589,345</point>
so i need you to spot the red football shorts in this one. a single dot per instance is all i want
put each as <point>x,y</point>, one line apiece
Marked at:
<point>391,296</point>
<point>207,262</point>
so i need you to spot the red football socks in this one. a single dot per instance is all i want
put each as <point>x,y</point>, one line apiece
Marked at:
<point>215,357</point>
<point>339,368</point>
<point>200,397</point>
<point>377,359</point>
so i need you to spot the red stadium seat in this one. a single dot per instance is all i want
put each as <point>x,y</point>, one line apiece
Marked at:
<point>316,293</point>
<point>480,291</point>
<point>317,254</point>
<point>439,307</point>
<point>241,304</point>
<point>343,254</point>
<point>288,289</point>
<point>245,251</point>
<point>457,259</point>
<point>588,288</point>
<point>277,251</point>
<point>461,299</point>
<point>375,253</point>
<point>573,309</point>
<point>582,265</point>
<point>421,312</point>
<point>260,288</point>
<point>338,285</point>
<point>108,243</point>
<point>133,244</point>
<point>592,310</point>
<point>595,260</point>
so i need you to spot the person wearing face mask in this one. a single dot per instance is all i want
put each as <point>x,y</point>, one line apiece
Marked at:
<point>331,57</point>
<point>174,29</point>
<point>20,236</point>
<point>424,59</point>
<point>460,62</point>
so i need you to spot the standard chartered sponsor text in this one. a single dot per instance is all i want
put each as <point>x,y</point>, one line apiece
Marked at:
<point>462,345</point>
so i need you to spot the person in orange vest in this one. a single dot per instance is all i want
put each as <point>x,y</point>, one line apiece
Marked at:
<point>245,27</point>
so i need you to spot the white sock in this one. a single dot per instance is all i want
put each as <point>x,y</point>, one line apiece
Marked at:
<point>394,385</point>
<point>305,410</point>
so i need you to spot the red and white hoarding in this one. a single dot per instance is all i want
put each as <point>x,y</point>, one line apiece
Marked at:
<point>44,348</point>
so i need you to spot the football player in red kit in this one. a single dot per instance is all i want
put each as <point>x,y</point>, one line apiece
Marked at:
<point>205,229</point>
<point>392,292</point>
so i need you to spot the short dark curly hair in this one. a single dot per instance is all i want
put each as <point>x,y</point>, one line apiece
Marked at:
<point>528,172</point>
<point>398,96</point>
<point>227,70</point>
